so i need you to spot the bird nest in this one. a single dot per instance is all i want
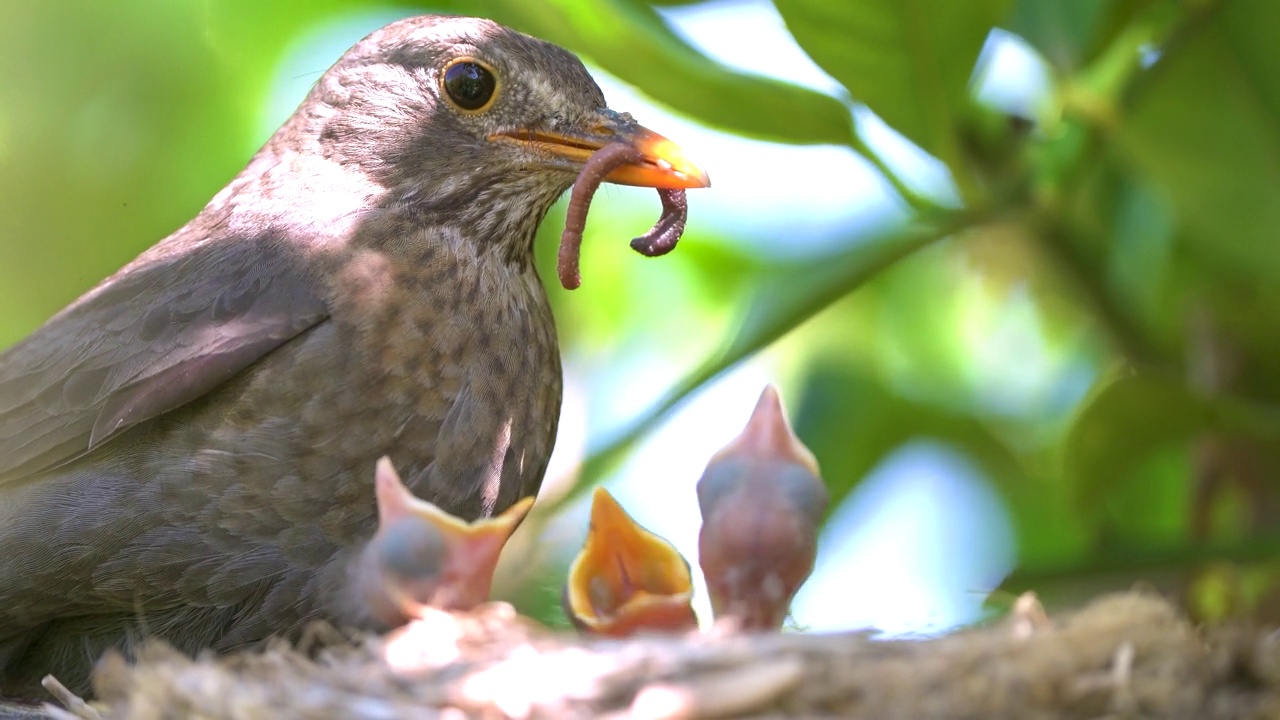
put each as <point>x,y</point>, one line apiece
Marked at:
<point>1126,655</point>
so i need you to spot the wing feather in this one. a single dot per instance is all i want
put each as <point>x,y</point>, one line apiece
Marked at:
<point>168,328</point>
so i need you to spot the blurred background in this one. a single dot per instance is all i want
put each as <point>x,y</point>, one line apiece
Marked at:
<point>1012,263</point>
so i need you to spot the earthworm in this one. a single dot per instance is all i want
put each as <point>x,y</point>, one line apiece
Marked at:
<point>659,240</point>
<point>663,236</point>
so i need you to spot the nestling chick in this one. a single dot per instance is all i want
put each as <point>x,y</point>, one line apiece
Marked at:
<point>626,579</point>
<point>422,556</point>
<point>762,501</point>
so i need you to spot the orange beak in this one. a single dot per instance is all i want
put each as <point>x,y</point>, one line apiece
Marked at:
<point>663,163</point>
<point>626,579</point>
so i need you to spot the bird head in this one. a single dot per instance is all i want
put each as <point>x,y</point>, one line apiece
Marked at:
<point>422,556</point>
<point>480,125</point>
<point>626,579</point>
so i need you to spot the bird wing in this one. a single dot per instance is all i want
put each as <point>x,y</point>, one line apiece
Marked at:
<point>168,328</point>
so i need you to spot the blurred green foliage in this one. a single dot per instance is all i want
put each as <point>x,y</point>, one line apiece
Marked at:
<point>1138,209</point>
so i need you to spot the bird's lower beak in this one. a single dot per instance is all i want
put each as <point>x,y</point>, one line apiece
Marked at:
<point>473,552</point>
<point>626,578</point>
<point>663,163</point>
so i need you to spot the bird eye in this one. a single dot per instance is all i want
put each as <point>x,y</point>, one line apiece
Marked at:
<point>469,84</point>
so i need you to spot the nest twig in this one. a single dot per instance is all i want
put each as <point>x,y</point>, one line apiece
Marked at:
<point>1129,655</point>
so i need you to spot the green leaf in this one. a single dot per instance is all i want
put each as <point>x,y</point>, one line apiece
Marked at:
<point>1126,453</point>
<point>1204,125</point>
<point>1087,573</point>
<point>909,60</point>
<point>1070,33</point>
<point>630,40</point>
<point>1121,426</point>
<point>786,298</point>
<point>625,37</point>
<point>1130,420</point>
<point>1059,29</point>
<point>103,149</point>
<point>852,421</point>
<point>250,36</point>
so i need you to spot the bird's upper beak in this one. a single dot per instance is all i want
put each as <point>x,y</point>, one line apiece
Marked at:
<point>627,579</point>
<point>663,163</point>
<point>768,435</point>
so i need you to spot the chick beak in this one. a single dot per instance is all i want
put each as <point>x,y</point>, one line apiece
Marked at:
<point>662,163</point>
<point>768,435</point>
<point>626,579</point>
<point>471,550</point>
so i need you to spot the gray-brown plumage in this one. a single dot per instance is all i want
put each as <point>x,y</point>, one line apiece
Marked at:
<point>185,451</point>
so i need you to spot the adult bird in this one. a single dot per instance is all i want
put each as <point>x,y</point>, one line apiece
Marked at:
<point>185,450</point>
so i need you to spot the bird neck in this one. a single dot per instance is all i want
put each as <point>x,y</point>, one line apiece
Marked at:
<point>497,215</point>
